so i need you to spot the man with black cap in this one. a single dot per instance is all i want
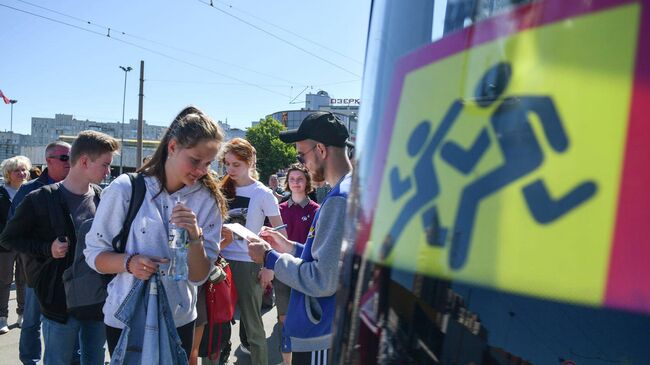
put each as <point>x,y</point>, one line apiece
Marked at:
<point>311,268</point>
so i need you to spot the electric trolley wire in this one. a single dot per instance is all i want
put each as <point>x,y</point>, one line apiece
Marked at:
<point>316,86</point>
<point>200,67</point>
<point>62,14</point>
<point>52,20</point>
<point>293,33</point>
<point>210,4</point>
<point>212,83</point>
<point>300,93</point>
<point>148,50</point>
<point>109,29</point>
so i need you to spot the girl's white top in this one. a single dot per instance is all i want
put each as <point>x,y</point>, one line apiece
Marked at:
<point>148,236</point>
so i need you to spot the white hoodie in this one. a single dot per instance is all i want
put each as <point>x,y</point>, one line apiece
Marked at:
<point>148,236</point>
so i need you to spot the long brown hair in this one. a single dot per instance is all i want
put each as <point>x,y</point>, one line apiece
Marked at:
<point>244,152</point>
<point>190,127</point>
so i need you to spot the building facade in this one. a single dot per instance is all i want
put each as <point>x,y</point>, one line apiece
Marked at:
<point>46,130</point>
<point>347,110</point>
<point>65,127</point>
<point>11,143</point>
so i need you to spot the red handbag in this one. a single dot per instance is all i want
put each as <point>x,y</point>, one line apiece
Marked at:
<point>221,299</point>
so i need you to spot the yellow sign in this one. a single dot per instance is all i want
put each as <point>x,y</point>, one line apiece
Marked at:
<point>505,160</point>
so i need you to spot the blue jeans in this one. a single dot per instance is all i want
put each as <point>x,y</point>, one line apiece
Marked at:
<point>30,332</point>
<point>61,338</point>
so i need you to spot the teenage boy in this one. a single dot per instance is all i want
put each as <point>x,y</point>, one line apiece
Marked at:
<point>50,241</point>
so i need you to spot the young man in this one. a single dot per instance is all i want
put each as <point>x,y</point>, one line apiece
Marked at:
<point>49,243</point>
<point>312,269</point>
<point>57,158</point>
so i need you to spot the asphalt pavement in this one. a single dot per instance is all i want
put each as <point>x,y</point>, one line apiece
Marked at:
<point>9,341</point>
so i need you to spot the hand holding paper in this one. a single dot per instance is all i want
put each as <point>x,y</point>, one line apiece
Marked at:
<point>241,231</point>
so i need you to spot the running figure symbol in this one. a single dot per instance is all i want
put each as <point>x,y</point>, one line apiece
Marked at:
<point>521,153</point>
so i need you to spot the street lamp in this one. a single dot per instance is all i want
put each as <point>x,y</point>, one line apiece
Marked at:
<point>11,126</point>
<point>126,72</point>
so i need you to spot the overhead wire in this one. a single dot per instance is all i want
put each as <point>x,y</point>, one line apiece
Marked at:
<point>109,29</point>
<point>200,67</point>
<point>293,33</point>
<point>300,93</point>
<point>266,85</point>
<point>212,83</point>
<point>210,4</point>
<point>51,19</point>
<point>146,49</point>
<point>132,44</point>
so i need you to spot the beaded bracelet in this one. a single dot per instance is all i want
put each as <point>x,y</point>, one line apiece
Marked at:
<point>128,261</point>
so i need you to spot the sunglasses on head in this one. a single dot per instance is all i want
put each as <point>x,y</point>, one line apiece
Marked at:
<point>60,157</point>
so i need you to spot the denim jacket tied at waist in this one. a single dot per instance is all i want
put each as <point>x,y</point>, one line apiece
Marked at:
<point>149,335</point>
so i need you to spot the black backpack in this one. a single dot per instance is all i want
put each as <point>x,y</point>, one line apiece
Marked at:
<point>85,289</point>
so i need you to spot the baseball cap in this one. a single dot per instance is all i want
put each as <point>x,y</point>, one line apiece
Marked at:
<point>323,127</point>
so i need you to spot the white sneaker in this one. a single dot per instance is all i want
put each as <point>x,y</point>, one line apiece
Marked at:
<point>19,321</point>
<point>3,325</point>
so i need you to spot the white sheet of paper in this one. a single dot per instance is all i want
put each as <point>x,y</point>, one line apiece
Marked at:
<point>241,231</point>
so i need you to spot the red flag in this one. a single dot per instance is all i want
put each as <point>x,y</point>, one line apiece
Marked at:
<point>6,99</point>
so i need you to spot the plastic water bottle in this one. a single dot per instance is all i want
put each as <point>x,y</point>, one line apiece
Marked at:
<point>178,269</point>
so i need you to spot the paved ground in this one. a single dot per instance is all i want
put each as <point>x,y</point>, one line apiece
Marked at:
<point>9,341</point>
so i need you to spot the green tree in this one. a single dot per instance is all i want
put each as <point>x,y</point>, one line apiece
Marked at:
<point>272,153</point>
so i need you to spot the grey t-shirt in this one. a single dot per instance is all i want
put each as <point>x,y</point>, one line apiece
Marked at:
<point>81,207</point>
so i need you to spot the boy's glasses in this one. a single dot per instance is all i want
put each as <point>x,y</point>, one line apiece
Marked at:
<point>60,157</point>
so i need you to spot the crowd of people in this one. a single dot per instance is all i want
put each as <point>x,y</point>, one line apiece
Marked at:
<point>91,266</point>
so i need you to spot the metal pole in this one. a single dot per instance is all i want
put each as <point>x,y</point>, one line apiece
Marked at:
<point>126,72</point>
<point>138,162</point>
<point>11,125</point>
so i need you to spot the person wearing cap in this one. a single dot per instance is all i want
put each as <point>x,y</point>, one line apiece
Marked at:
<point>311,268</point>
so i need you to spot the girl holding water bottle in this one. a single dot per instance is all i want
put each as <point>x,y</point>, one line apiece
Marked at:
<point>182,199</point>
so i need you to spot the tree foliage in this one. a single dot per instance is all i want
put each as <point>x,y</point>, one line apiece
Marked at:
<point>272,153</point>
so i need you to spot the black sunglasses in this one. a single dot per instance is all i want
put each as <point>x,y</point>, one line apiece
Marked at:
<point>60,157</point>
<point>301,156</point>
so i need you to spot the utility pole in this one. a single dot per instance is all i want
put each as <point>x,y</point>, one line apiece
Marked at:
<point>138,161</point>
<point>126,72</point>
<point>11,125</point>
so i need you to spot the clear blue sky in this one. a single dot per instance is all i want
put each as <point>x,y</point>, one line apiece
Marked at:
<point>200,56</point>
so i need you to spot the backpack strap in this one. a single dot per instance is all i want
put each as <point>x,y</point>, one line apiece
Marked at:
<point>138,190</point>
